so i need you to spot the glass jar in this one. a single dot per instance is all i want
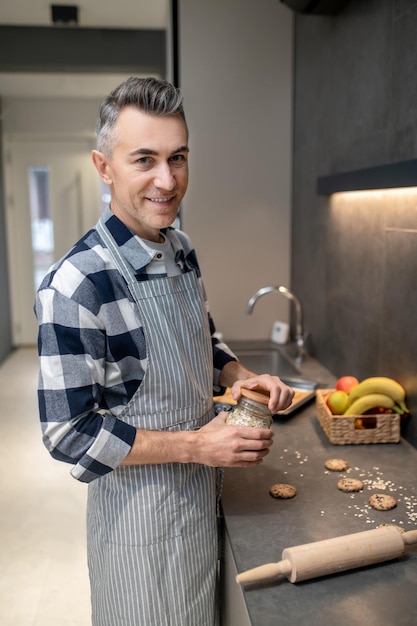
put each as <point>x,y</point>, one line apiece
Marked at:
<point>251,410</point>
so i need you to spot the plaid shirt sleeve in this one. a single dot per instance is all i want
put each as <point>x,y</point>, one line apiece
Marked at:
<point>90,342</point>
<point>77,403</point>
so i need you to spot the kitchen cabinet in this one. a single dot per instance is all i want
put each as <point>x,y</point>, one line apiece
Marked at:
<point>258,527</point>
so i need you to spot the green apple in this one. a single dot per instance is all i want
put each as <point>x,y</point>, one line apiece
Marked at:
<point>338,402</point>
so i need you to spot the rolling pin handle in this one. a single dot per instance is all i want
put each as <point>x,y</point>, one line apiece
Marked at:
<point>264,572</point>
<point>410,537</point>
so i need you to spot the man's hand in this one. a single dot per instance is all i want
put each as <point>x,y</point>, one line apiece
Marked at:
<point>221,445</point>
<point>237,377</point>
<point>280,395</point>
<point>216,444</point>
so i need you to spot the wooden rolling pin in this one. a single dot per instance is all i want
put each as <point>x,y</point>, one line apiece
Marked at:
<point>330,556</point>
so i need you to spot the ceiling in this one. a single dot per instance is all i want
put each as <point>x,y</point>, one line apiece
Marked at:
<point>91,14</point>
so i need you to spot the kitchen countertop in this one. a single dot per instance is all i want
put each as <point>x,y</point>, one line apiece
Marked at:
<point>259,527</point>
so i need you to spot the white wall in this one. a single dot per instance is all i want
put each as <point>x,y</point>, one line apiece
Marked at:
<point>236,75</point>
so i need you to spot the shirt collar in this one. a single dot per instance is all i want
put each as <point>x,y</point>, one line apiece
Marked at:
<point>131,248</point>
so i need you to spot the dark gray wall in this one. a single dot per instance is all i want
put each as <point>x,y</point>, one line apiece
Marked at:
<point>355,270</point>
<point>62,49</point>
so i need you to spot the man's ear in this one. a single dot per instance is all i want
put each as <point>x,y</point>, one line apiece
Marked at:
<point>101,165</point>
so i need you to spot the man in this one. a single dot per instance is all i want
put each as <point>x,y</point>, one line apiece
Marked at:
<point>128,365</point>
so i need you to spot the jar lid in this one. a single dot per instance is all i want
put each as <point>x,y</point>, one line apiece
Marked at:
<point>257,396</point>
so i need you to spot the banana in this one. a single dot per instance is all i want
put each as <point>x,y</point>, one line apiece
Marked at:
<point>370,401</point>
<point>382,385</point>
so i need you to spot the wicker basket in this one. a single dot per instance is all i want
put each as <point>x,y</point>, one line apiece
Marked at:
<point>341,430</point>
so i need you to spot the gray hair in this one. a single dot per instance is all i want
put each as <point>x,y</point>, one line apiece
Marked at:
<point>150,95</point>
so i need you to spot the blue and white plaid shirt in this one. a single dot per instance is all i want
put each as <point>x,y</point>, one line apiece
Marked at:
<point>92,350</point>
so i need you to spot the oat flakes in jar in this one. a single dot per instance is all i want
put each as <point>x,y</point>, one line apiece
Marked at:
<point>251,410</point>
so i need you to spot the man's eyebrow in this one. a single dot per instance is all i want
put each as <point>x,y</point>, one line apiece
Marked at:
<point>149,151</point>
<point>184,148</point>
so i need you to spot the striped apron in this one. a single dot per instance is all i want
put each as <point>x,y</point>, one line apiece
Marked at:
<point>151,529</point>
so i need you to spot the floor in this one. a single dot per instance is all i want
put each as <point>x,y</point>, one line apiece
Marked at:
<point>43,570</point>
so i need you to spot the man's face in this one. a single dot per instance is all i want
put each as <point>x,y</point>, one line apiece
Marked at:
<point>148,170</point>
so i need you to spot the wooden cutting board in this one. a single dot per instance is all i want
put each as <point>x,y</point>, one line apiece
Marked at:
<point>301,396</point>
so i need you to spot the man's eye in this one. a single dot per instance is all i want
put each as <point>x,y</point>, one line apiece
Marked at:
<point>178,158</point>
<point>144,160</point>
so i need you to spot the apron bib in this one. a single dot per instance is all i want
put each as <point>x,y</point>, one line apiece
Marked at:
<point>152,531</point>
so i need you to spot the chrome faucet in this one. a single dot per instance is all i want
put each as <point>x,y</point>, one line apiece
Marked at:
<point>299,329</point>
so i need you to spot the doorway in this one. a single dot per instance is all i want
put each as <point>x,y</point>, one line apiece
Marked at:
<point>53,197</point>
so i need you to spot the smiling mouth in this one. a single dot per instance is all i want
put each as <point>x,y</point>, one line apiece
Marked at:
<point>162,201</point>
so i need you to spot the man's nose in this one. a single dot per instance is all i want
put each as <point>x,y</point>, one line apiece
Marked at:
<point>164,178</point>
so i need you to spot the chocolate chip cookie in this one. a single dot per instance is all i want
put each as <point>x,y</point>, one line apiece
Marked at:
<point>336,465</point>
<point>349,484</point>
<point>282,491</point>
<point>382,502</point>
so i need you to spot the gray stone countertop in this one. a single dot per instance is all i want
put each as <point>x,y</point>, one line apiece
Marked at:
<point>259,527</point>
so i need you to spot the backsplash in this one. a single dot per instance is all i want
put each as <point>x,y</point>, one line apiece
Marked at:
<point>354,262</point>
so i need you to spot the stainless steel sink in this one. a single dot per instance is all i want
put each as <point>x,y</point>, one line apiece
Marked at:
<point>269,361</point>
<point>264,357</point>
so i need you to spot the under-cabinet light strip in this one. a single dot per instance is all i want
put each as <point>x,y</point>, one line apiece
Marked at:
<point>390,176</point>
